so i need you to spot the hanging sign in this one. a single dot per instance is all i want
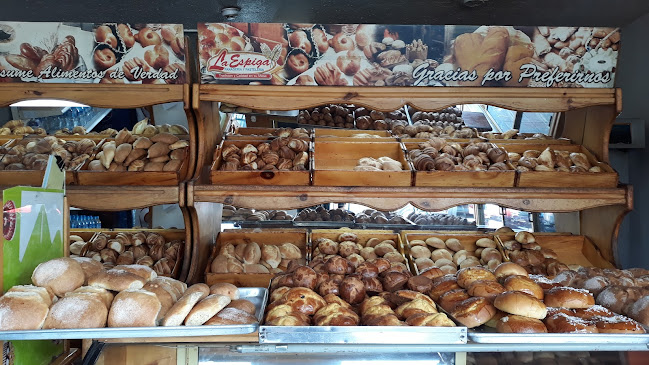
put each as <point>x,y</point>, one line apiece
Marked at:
<point>407,55</point>
<point>92,53</point>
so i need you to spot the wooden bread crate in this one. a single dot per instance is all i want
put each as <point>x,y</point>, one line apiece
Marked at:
<point>263,237</point>
<point>505,179</point>
<point>363,236</point>
<point>255,134</point>
<point>149,178</point>
<point>571,249</point>
<point>255,177</point>
<point>346,135</point>
<point>27,177</point>
<point>334,163</point>
<point>467,239</point>
<point>608,178</point>
<point>168,234</point>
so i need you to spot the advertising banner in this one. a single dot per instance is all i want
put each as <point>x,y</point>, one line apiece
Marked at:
<point>407,55</point>
<point>92,53</point>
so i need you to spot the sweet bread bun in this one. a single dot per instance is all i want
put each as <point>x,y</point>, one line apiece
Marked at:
<point>451,299</point>
<point>519,324</point>
<point>89,266</point>
<point>22,311</point>
<point>443,284</point>
<point>59,275</point>
<point>592,312</point>
<point>142,271</point>
<point>177,314</point>
<point>420,283</point>
<point>430,319</point>
<point>385,320</point>
<point>227,289</point>
<point>493,322</point>
<point>206,309</point>
<point>524,284</point>
<point>104,295</point>
<point>413,307</point>
<point>116,280</point>
<point>46,294</point>
<point>474,311</point>
<point>485,288</point>
<point>231,316</point>
<point>522,304</point>
<point>509,268</point>
<point>334,314</point>
<point>432,273</point>
<point>563,323</point>
<point>134,308</point>
<point>77,311</point>
<point>289,320</point>
<point>470,274</point>
<point>618,324</point>
<point>303,300</point>
<point>244,305</point>
<point>372,302</point>
<point>569,298</point>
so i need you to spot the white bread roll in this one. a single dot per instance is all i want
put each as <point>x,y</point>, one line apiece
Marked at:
<point>83,310</point>
<point>22,311</point>
<point>225,289</point>
<point>60,275</point>
<point>89,266</point>
<point>104,295</point>
<point>142,271</point>
<point>179,285</point>
<point>46,294</point>
<point>134,308</point>
<point>116,280</point>
<point>165,295</point>
<point>206,309</point>
<point>177,314</point>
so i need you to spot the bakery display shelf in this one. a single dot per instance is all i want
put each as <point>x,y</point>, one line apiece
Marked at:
<point>323,224</point>
<point>258,296</point>
<point>436,227</point>
<point>392,227</point>
<point>397,335</point>
<point>266,224</point>
<point>114,198</point>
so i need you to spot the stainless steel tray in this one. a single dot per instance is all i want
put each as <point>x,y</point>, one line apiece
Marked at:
<point>557,338</point>
<point>385,226</point>
<point>437,227</point>
<point>404,335</point>
<point>322,224</point>
<point>258,296</point>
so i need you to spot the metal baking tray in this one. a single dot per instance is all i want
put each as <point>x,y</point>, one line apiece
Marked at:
<point>323,224</point>
<point>397,335</point>
<point>437,227</point>
<point>393,227</point>
<point>258,296</point>
<point>557,338</point>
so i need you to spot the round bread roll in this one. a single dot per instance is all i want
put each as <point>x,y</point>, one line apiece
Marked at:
<point>414,243</point>
<point>444,262</point>
<point>22,311</point>
<point>443,284</point>
<point>469,262</point>
<point>431,272</point>
<point>227,289</point>
<point>524,284</point>
<point>297,319</point>
<point>454,244</point>
<point>470,274</point>
<point>244,305</point>
<point>60,275</point>
<point>77,311</point>
<point>504,230</point>
<point>142,271</point>
<point>424,263</point>
<point>451,299</point>
<point>420,252</point>
<point>488,254</point>
<point>474,311</point>
<point>522,304</point>
<point>413,307</point>
<point>487,289</point>
<point>519,324</point>
<point>448,269</point>
<point>592,312</point>
<point>460,256</point>
<point>177,284</point>
<point>435,242</point>
<point>206,309</point>
<point>618,324</point>
<point>231,316</point>
<point>420,283</point>
<point>177,314</point>
<point>134,308</point>
<point>493,322</point>
<point>104,295</point>
<point>116,280</point>
<point>509,268</point>
<point>569,298</point>
<point>165,295</point>
<point>563,323</point>
<point>485,242</point>
<point>524,237</point>
<point>89,266</point>
<point>394,256</point>
<point>46,294</point>
<point>430,319</point>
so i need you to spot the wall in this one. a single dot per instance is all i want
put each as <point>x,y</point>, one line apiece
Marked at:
<point>632,164</point>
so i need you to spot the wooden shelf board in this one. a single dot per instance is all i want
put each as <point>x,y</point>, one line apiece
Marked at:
<point>392,98</point>
<point>432,199</point>
<point>114,198</point>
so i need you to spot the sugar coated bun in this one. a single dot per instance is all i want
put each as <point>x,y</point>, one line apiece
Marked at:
<point>248,306</point>
<point>443,284</point>
<point>90,267</point>
<point>474,311</point>
<point>142,271</point>
<point>46,294</point>
<point>563,323</point>
<point>116,280</point>
<point>519,324</point>
<point>22,311</point>
<point>207,308</point>
<point>522,304</point>
<point>134,308</point>
<point>618,324</point>
<point>524,284</point>
<point>569,298</point>
<point>470,274</point>
<point>177,314</point>
<point>509,268</point>
<point>104,295</point>
<point>225,289</point>
<point>485,288</point>
<point>60,275</point>
<point>77,311</point>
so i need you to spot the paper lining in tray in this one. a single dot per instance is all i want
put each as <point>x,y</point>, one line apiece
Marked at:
<point>258,296</point>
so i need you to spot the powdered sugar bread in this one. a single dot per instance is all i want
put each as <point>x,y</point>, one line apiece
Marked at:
<point>231,316</point>
<point>164,294</point>
<point>90,267</point>
<point>60,275</point>
<point>102,294</point>
<point>206,309</point>
<point>142,271</point>
<point>83,310</point>
<point>134,308</point>
<point>46,294</point>
<point>177,314</point>
<point>225,289</point>
<point>22,311</point>
<point>116,280</point>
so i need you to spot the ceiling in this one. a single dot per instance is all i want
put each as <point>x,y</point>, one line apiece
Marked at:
<point>189,12</point>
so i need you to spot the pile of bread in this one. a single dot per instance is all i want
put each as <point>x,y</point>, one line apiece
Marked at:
<point>332,115</point>
<point>33,153</point>
<point>255,258</point>
<point>378,164</point>
<point>282,132</point>
<point>79,293</point>
<point>451,254</point>
<point>552,160</point>
<point>378,217</point>
<point>438,154</point>
<point>141,128</point>
<point>18,127</point>
<point>142,248</point>
<point>356,250</point>
<point>525,251</point>
<point>439,219</point>
<point>231,213</point>
<point>320,214</point>
<point>282,153</point>
<point>514,134</point>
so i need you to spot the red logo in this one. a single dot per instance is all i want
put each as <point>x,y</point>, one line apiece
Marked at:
<point>9,220</point>
<point>241,65</point>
